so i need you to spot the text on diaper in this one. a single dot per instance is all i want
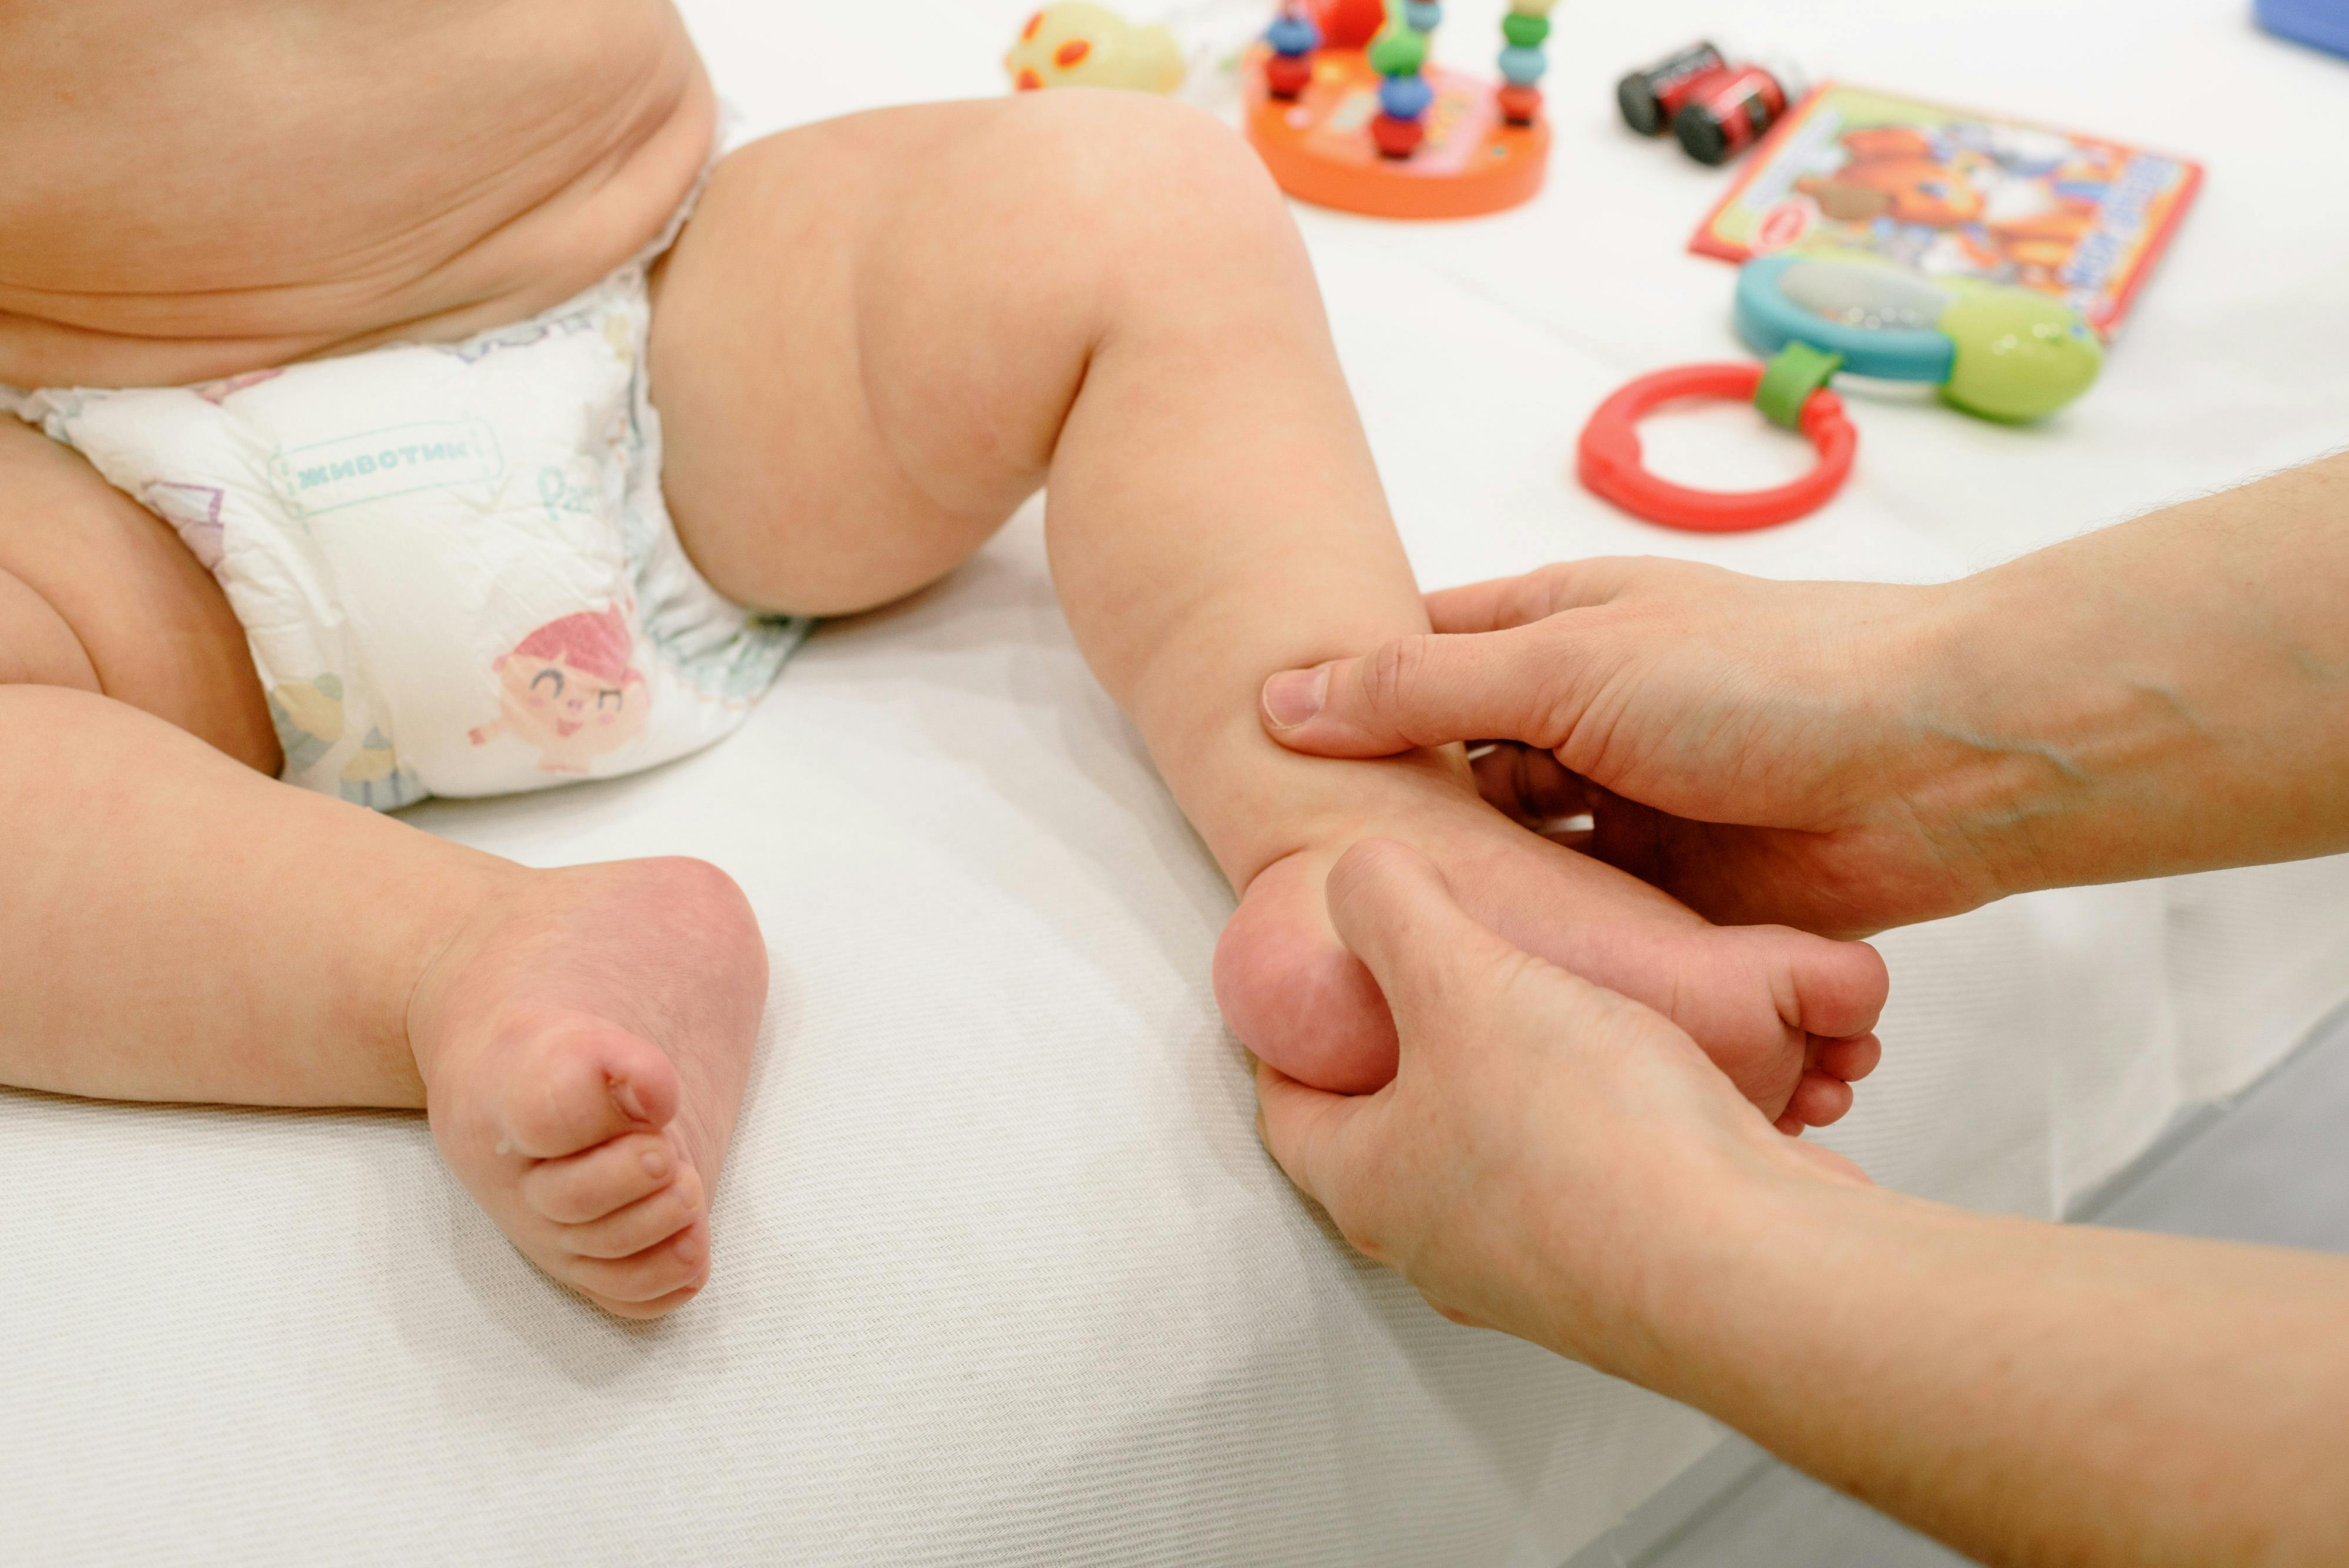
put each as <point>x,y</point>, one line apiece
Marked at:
<point>374,464</point>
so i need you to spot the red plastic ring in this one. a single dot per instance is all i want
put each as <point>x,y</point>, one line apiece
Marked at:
<point>1609,461</point>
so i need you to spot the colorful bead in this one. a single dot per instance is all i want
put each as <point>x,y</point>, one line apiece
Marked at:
<point>1291,33</point>
<point>1526,32</point>
<point>1399,54</point>
<point>1397,137</point>
<point>1524,67</point>
<point>1422,16</point>
<point>1286,76</point>
<point>1519,105</point>
<point>1405,97</point>
<point>1531,8</point>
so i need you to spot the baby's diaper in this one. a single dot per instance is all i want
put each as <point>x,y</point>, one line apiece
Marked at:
<point>453,562</point>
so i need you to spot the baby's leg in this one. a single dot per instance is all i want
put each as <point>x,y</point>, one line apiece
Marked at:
<point>179,926</point>
<point>878,336</point>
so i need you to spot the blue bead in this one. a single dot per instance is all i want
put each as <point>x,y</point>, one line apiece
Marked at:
<point>1405,97</point>
<point>1293,34</point>
<point>1422,16</point>
<point>1523,67</point>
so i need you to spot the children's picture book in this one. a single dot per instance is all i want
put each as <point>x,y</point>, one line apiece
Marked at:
<point>1952,193</point>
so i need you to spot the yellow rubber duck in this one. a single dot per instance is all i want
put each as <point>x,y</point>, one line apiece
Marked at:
<point>1079,45</point>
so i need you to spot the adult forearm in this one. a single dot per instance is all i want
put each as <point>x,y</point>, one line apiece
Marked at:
<point>2167,695</point>
<point>2031,1393</point>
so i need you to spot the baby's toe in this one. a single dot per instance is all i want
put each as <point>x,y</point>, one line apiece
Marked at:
<point>611,1176</point>
<point>679,1263</point>
<point>1850,1060</point>
<point>582,1084</point>
<point>1819,1101</point>
<point>658,1307</point>
<point>1839,987</point>
<point>646,1223</point>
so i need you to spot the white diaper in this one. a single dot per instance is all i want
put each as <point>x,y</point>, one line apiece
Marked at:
<point>453,562</point>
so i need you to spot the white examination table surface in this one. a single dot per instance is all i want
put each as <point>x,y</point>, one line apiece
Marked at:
<point>1002,1275</point>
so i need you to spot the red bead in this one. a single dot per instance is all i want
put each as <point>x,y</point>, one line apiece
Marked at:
<point>1520,105</point>
<point>1285,76</point>
<point>1397,137</point>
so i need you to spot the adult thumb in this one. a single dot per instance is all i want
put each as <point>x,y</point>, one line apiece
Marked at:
<point>1435,965</point>
<point>1428,691</point>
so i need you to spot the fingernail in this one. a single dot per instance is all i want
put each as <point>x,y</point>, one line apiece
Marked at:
<point>656,1162</point>
<point>623,1094</point>
<point>1294,696</point>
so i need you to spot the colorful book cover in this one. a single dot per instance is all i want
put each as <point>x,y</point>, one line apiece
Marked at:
<point>1952,193</point>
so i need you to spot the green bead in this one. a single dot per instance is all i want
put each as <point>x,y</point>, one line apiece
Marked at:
<point>2021,355</point>
<point>1399,54</point>
<point>1526,32</point>
<point>1791,378</point>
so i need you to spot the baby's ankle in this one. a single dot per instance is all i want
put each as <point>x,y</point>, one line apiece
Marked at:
<point>1348,801</point>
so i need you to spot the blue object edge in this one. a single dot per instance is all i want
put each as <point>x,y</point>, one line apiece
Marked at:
<point>1767,321</point>
<point>2321,24</point>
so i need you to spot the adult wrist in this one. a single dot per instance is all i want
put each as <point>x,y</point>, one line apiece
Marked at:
<point>2009,714</point>
<point>1786,1246</point>
<point>1682,1297</point>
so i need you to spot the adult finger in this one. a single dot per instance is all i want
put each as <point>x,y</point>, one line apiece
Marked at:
<point>1430,690</point>
<point>1307,1130</point>
<point>1503,603</point>
<point>1441,971</point>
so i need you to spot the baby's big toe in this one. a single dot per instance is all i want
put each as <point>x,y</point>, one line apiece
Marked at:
<point>576,1084</point>
<point>1839,988</point>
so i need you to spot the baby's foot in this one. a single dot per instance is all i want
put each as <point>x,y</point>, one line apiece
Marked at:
<point>1786,1015</point>
<point>584,1046</point>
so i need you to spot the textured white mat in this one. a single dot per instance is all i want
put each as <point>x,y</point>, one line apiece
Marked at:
<point>1003,1276</point>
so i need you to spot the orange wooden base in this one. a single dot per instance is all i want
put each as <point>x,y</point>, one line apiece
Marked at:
<point>1318,144</point>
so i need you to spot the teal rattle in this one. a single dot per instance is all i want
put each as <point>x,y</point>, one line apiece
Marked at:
<point>1995,352</point>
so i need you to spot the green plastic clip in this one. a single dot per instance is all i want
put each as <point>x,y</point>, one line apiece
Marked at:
<point>1796,372</point>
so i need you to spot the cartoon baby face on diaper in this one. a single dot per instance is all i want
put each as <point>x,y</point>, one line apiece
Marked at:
<point>569,690</point>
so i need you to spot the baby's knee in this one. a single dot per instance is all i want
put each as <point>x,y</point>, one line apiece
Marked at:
<point>1133,176</point>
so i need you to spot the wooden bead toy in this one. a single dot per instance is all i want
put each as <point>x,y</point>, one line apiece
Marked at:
<point>1523,31</point>
<point>1404,97</point>
<point>1292,38</point>
<point>1349,113</point>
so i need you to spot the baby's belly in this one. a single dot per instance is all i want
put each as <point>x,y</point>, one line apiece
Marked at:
<point>190,189</point>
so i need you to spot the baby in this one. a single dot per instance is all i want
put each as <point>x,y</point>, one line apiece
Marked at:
<point>411,401</point>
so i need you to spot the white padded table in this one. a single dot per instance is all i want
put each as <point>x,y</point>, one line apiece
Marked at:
<point>1002,1276</point>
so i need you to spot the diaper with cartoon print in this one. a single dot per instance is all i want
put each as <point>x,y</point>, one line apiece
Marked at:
<point>453,562</point>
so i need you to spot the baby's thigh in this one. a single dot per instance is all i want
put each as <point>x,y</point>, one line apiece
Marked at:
<point>773,368</point>
<point>98,594</point>
<point>867,340</point>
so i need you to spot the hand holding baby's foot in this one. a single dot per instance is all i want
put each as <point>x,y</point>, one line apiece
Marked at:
<point>583,1047</point>
<point>1786,1015</point>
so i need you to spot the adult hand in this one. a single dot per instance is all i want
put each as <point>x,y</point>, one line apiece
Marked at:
<point>1767,752</point>
<point>1563,1164</point>
<point>1551,1159</point>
